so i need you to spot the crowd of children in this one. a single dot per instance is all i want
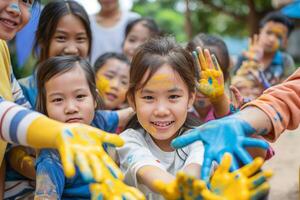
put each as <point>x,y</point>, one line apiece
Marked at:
<point>173,107</point>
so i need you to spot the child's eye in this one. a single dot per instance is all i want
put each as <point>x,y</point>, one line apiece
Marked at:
<point>60,38</point>
<point>80,96</point>
<point>109,76</point>
<point>124,82</point>
<point>174,96</point>
<point>81,39</point>
<point>28,3</point>
<point>57,100</point>
<point>147,97</point>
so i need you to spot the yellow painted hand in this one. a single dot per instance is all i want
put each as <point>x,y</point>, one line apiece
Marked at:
<point>114,189</point>
<point>254,52</point>
<point>211,83</point>
<point>102,85</point>
<point>245,183</point>
<point>184,187</point>
<point>82,144</point>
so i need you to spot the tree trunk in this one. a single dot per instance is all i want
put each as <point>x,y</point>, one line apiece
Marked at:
<point>188,21</point>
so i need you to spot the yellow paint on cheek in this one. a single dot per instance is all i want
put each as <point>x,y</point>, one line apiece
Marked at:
<point>102,85</point>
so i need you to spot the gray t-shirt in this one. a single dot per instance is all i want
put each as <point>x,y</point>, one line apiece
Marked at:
<point>140,150</point>
<point>109,39</point>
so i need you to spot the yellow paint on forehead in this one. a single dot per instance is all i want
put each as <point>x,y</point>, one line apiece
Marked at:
<point>278,31</point>
<point>161,81</point>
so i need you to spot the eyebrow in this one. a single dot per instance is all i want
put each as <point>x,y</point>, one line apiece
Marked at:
<point>64,32</point>
<point>175,89</point>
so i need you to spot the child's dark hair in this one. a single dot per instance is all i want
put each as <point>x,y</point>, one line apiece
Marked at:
<point>49,19</point>
<point>150,57</point>
<point>148,23</point>
<point>279,18</point>
<point>59,65</point>
<point>101,60</point>
<point>216,46</point>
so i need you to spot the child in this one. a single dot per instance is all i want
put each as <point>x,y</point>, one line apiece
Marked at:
<point>22,126</point>
<point>76,102</point>
<point>265,49</point>
<point>108,26</point>
<point>112,72</point>
<point>162,89</point>
<point>137,32</point>
<point>63,29</point>
<point>204,108</point>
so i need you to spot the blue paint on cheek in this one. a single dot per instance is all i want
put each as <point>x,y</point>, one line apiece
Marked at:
<point>200,103</point>
<point>210,80</point>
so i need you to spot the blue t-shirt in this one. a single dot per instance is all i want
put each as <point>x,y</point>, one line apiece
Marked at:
<point>29,88</point>
<point>49,171</point>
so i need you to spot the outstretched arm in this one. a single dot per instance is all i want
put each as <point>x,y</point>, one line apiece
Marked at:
<point>76,143</point>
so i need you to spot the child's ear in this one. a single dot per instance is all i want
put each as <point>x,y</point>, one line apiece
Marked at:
<point>130,101</point>
<point>191,99</point>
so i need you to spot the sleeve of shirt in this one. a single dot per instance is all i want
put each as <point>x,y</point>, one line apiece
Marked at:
<point>106,120</point>
<point>282,105</point>
<point>196,154</point>
<point>289,65</point>
<point>50,178</point>
<point>134,155</point>
<point>17,92</point>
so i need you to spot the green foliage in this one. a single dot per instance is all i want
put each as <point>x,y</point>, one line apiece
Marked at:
<point>231,19</point>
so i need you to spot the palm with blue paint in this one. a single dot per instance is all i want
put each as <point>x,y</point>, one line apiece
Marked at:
<point>228,134</point>
<point>211,83</point>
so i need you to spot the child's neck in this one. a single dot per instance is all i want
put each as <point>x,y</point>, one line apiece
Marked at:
<point>108,18</point>
<point>267,58</point>
<point>203,112</point>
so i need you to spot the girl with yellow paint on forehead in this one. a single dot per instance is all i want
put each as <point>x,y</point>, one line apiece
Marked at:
<point>162,89</point>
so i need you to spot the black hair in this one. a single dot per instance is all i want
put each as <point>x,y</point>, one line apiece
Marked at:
<point>101,60</point>
<point>58,65</point>
<point>279,18</point>
<point>147,22</point>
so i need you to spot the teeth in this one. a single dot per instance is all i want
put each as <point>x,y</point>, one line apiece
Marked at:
<point>9,22</point>
<point>162,124</point>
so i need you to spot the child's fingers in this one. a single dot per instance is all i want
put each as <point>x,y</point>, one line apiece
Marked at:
<point>195,56</point>
<point>135,193</point>
<point>97,167</point>
<point>67,158</point>
<point>216,63</point>
<point>225,164</point>
<point>202,60</point>
<point>252,167</point>
<point>84,167</point>
<point>209,62</point>
<point>259,178</point>
<point>260,192</point>
<point>112,166</point>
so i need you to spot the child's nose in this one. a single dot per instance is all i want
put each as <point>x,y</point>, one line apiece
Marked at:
<point>71,107</point>
<point>161,110</point>
<point>71,49</point>
<point>14,8</point>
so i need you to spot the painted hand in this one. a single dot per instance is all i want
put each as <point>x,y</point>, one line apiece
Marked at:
<point>114,189</point>
<point>227,134</point>
<point>245,183</point>
<point>82,144</point>
<point>183,187</point>
<point>211,83</point>
<point>254,52</point>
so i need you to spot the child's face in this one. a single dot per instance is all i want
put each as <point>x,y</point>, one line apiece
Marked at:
<point>201,101</point>
<point>248,89</point>
<point>273,35</point>
<point>162,104</point>
<point>14,15</point>
<point>136,37</point>
<point>69,99</point>
<point>117,73</point>
<point>70,38</point>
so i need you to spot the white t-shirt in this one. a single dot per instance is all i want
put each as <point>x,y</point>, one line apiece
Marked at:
<point>140,150</point>
<point>109,39</point>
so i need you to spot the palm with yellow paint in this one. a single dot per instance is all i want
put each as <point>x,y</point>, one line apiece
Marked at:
<point>244,183</point>
<point>211,83</point>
